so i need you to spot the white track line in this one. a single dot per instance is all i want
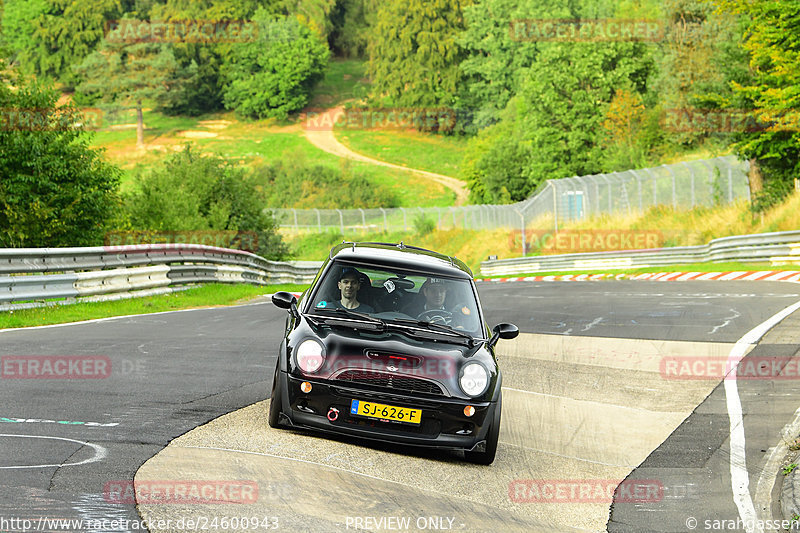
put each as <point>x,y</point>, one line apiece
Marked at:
<point>740,481</point>
<point>99,452</point>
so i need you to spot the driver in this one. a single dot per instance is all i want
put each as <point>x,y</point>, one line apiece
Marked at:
<point>435,292</point>
<point>349,284</point>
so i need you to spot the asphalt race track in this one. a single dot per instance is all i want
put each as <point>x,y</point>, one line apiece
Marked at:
<point>589,403</point>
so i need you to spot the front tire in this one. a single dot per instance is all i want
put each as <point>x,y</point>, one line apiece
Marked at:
<point>492,436</point>
<point>276,400</point>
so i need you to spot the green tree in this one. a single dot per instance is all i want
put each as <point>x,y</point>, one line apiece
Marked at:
<point>49,36</point>
<point>552,128</point>
<point>414,52</point>
<point>54,189</point>
<point>352,21</point>
<point>498,58</point>
<point>696,60</point>
<point>203,92</point>
<point>130,74</point>
<point>273,76</point>
<point>193,191</point>
<point>773,143</point>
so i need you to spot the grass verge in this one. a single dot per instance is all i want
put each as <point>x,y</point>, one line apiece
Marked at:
<point>198,297</point>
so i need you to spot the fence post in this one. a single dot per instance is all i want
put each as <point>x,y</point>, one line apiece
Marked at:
<point>710,178</point>
<point>363,219</point>
<point>691,173</point>
<point>405,223</point>
<point>295,219</point>
<point>730,183</point>
<point>385,225</point>
<point>555,214</point>
<point>522,228</point>
<point>319,221</point>
<point>341,221</point>
<point>674,197</point>
<point>655,192</point>
<point>639,183</point>
<point>585,188</point>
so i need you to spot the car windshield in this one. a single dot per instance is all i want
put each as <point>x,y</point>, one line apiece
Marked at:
<point>400,297</point>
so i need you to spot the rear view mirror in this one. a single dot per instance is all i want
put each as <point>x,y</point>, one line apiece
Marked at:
<point>284,300</point>
<point>503,331</point>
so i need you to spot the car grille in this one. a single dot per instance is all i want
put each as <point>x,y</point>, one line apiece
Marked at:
<point>390,381</point>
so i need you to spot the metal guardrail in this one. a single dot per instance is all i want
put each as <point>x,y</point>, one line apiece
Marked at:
<point>31,275</point>
<point>775,248</point>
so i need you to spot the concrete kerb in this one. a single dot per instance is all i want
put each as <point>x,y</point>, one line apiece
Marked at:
<point>791,276</point>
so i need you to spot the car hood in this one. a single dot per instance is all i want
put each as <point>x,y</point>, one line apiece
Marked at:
<point>392,353</point>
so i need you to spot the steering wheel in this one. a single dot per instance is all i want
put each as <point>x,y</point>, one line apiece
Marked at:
<point>436,316</point>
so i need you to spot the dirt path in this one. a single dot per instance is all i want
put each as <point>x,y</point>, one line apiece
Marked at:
<point>320,134</point>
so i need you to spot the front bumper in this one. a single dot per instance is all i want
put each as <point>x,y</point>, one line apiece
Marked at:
<point>443,425</point>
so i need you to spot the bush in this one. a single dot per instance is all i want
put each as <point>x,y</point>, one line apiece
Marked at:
<point>291,182</point>
<point>424,225</point>
<point>192,191</point>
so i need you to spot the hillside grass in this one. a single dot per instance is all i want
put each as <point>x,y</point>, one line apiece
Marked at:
<point>441,154</point>
<point>345,79</point>
<point>248,143</point>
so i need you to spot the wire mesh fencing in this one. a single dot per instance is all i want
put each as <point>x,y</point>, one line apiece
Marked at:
<point>697,183</point>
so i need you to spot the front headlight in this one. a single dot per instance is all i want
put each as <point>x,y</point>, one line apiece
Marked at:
<point>474,379</point>
<point>309,356</point>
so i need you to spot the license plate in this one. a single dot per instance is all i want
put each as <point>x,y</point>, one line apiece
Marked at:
<point>385,412</point>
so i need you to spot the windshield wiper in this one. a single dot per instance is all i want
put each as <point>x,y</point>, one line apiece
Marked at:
<point>347,312</point>
<point>438,327</point>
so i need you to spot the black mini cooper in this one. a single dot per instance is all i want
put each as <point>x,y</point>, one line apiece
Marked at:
<point>390,343</point>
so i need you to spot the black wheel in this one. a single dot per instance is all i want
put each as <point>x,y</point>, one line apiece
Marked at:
<point>487,457</point>
<point>276,400</point>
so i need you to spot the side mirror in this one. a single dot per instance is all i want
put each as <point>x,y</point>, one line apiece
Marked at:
<point>284,300</point>
<point>503,331</point>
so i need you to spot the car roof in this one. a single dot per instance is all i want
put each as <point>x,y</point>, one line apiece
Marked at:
<point>402,256</point>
